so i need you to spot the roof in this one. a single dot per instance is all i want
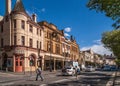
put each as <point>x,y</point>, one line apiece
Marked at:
<point>19,7</point>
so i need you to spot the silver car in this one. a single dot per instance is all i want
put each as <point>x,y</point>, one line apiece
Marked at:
<point>89,69</point>
<point>68,71</point>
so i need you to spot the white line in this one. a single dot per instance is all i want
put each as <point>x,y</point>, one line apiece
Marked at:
<point>61,80</point>
<point>43,85</point>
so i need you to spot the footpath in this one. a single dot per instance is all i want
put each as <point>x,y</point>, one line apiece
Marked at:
<point>117,79</point>
<point>12,76</point>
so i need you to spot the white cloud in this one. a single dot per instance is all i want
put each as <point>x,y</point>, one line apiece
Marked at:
<point>67,29</point>
<point>97,41</point>
<point>43,10</point>
<point>66,34</point>
<point>29,13</point>
<point>98,48</point>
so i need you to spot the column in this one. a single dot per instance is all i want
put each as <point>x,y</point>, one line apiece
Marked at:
<point>43,62</point>
<point>13,63</point>
<point>54,64</point>
<point>63,63</point>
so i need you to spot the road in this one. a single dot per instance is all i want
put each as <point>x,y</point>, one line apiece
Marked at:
<point>56,79</point>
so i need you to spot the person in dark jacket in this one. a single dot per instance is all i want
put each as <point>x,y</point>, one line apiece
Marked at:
<point>39,73</point>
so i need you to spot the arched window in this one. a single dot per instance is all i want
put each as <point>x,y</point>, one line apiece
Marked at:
<point>32,60</point>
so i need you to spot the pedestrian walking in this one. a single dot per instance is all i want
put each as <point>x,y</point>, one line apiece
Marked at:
<point>39,73</point>
<point>76,72</point>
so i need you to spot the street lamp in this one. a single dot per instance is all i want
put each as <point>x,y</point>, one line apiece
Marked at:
<point>53,35</point>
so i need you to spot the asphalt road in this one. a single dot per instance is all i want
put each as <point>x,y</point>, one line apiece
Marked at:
<point>97,78</point>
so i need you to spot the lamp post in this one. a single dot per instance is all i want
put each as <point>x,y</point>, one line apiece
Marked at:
<point>53,35</point>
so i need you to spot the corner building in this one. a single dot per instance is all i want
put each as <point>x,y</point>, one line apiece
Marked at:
<point>21,40</point>
<point>26,43</point>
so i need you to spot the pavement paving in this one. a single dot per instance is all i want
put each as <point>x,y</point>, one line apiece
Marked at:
<point>117,79</point>
<point>6,76</point>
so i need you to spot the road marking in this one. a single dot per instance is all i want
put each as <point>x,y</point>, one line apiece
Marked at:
<point>60,80</point>
<point>43,85</point>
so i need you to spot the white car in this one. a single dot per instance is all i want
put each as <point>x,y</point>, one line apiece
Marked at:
<point>89,69</point>
<point>68,71</point>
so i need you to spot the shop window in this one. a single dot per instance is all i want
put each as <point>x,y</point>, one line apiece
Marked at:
<point>16,63</point>
<point>20,63</point>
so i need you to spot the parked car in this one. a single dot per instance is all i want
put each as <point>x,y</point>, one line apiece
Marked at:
<point>107,68</point>
<point>68,71</point>
<point>89,69</point>
<point>98,69</point>
<point>113,68</point>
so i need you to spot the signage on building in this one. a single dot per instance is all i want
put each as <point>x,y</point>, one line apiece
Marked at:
<point>19,51</point>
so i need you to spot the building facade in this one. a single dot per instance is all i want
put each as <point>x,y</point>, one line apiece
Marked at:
<point>26,43</point>
<point>52,46</point>
<point>21,38</point>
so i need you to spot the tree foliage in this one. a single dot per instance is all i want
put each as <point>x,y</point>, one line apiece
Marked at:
<point>111,40</point>
<point>111,8</point>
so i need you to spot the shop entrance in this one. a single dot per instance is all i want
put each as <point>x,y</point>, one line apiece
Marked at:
<point>19,63</point>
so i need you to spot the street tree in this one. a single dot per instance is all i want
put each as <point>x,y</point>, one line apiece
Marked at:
<point>111,40</point>
<point>110,8</point>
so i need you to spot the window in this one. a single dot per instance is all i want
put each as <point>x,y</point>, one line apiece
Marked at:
<point>31,42</point>
<point>2,42</point>
<point>1,28</point>
<point>32,61</point>
<point>57,48</point>
<point>49,47</point>
<point>6,18</point>
<point>37,44</point>
<point>23,40</point>
<point>15,23</point>
<point>30,28</point>
<point>40,45</point>
<point>23,24</point>
<point>37,31</point>
<point>15,40</point>
<point>40,32</point>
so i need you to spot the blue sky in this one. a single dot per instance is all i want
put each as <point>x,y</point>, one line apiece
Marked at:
<point>73,16</point>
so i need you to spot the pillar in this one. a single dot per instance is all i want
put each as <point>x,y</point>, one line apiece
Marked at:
<point>54,64</point>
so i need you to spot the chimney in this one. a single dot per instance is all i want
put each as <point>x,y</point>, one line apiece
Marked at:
<point>8,6</point>
<point>34,18</point>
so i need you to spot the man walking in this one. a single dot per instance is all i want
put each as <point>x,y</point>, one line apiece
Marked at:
<point>76,72</point>
<point>39,73</point>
